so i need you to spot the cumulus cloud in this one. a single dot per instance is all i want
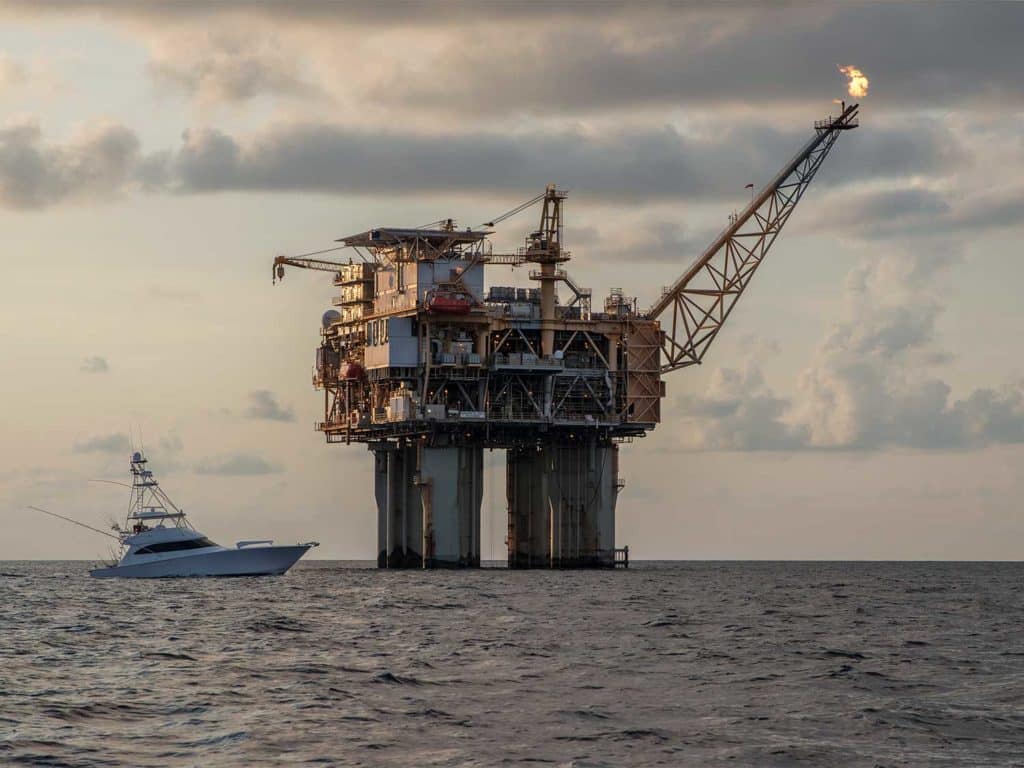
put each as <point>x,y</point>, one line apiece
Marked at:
<point>227,66</point>
<point>263,404</point>
<point>114,443</point>
<point>872,383</point>
<point>236,464</point>
<point>95,164</point>
<point>95,364</point>
<point>738,411</point>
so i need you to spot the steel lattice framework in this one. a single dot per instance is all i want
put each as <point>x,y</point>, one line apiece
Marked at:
<point>702,298</point>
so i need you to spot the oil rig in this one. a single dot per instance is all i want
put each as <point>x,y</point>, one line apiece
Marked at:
<point>427,368</point>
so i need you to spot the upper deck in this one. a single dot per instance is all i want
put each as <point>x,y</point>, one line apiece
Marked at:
<point>433,241</point>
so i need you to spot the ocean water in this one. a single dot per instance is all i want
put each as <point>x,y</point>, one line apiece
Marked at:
<point>676,664</point>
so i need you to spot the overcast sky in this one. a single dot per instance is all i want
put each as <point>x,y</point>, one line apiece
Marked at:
<point>865,400</point>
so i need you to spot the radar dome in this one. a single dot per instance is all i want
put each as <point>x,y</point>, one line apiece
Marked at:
<point>331,316</point>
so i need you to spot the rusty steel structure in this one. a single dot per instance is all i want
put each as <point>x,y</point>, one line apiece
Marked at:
<point>427,366</point>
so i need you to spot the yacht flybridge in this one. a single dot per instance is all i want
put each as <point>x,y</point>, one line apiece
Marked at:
<point>158,540</point>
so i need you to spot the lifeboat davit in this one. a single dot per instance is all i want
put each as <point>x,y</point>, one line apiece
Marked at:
<point>448,303</point>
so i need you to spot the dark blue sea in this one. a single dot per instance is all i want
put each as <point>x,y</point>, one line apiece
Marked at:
<point>674,664</point>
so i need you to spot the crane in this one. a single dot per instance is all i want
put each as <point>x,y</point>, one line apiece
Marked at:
<point>694,308</point>
<point>303,263</point>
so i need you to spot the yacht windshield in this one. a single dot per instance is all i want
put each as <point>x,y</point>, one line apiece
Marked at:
<point>174,546</point>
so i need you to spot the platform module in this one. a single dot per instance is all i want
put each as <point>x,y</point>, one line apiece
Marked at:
<point>428,364</point>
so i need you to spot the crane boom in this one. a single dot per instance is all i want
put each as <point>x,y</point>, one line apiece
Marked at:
<point>319,264</point>
<point>704,295</point>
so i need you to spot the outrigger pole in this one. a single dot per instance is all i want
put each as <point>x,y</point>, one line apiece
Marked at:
<point>70,520</point>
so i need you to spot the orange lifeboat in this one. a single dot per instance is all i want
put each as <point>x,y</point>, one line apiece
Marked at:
<point>448,303</point>
<point>351,370</point>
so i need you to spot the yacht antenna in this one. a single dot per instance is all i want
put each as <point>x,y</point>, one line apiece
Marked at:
<point>148,500</point>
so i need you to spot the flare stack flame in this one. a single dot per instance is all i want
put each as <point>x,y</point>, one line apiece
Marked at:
<point>858,85</point>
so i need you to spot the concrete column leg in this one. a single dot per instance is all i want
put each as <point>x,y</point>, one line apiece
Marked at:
<point>451,492</point>
<point>396,546</point>
<point>380,491</point>
<point>561,502</point>
<point>529,541</point>
<point>600,491</point>
<point>399,532</point>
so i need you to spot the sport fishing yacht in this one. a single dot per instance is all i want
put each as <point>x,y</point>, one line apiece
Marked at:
<point>158,540</point>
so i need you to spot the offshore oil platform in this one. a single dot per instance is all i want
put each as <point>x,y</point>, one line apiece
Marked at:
<point>427,364</point>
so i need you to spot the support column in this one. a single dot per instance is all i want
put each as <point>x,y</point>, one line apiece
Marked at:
<point>526,489</point>
<point>428,505</point>
<point>399,520</point>
<point>451,491</point>
<point>561,501</point>
<point>380,493</point>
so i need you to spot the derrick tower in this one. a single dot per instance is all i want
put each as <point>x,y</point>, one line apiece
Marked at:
<point>427,368</point>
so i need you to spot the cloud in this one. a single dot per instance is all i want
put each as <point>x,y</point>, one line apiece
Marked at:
<point>94,164</point>
<point>865,407</point>
<point>992,208</point>
<point>860,406</point>
<point>898,147</point>
<point>915,210</point>
<point>263,405</point>
<point>872,382</point>
<point>236,464</point>
<point>649,240</point>
<point>636,164</point>
<point>95,364</point>
<point>446,61</point>
<point>509,59</point>
<point>170,444</point>
<point>738,412</point>
<point>703,55</point>
<point>226,66</point>
<point>115,443</point>
<point>167,457</point>
<point>351,13</point>
<point>871,385</point>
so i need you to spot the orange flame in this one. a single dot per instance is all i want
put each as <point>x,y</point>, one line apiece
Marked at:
<point>858,85</point>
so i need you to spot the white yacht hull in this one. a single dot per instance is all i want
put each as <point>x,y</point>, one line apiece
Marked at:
<point>246,561</point>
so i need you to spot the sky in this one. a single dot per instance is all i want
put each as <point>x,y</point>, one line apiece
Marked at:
<point>864,401</point>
